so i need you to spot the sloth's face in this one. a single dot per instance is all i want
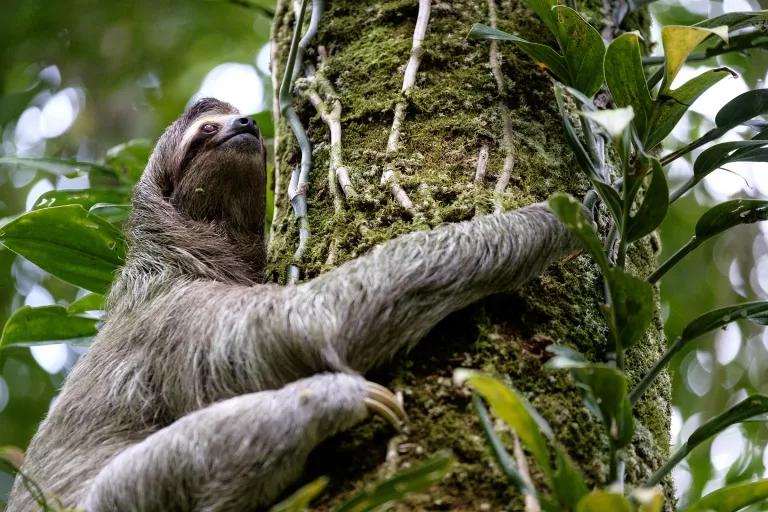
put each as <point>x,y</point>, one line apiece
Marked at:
<point>221,171</point>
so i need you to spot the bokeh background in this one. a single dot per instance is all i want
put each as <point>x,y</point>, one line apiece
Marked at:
<point>79,77</point>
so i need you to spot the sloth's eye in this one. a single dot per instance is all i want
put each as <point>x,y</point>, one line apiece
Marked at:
<point>209,128</point>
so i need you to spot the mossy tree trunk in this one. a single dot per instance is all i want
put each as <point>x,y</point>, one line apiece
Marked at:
<point>455,114</point>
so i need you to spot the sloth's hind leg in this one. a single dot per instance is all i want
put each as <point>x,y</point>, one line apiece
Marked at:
<point>237,454</point>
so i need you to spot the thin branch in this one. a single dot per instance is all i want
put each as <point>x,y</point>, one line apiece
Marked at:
<point>409,79</point>
<point>317,11</point>
<point>482,163</point>
<point>507,144</point>
<point>297,188</point>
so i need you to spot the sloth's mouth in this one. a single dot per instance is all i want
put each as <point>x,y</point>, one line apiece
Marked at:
<point>242,139</point>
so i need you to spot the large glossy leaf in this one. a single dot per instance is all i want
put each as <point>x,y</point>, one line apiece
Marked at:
<point>66,241</point>
<point>744,410</point>
<point>45,325</point>
<point>728,214</point>
<point>129,160</point>
<point>68,168</point>
<point>540,53</point>
<point>89,302</point>
<point>543,9</point>
<point>583,50</point>
<point>605,393</point>
<point>755,311</point>
<point>654,207</point>
<point>732,497</point>
<point>626,79</point>
<point>514,410</point>
<point>670,106</point>
<point>84,197</point>
<point>679,41</point>
<point>742,108</point>
<point>299,500</point>
<point>571,214</point>
<point>631,308</point>
<point>396,488</point>
<point>718,155</point>
<point>603,501</point>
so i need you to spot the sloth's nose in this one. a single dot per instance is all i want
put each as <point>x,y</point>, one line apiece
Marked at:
<point>245,125</point>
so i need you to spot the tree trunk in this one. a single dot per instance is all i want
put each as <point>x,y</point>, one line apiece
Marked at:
<point>462,108</point>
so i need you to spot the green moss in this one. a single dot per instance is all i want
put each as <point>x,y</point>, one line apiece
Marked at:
<point>452,111</point>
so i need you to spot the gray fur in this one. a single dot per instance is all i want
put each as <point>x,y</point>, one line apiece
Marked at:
<point>205,390</point>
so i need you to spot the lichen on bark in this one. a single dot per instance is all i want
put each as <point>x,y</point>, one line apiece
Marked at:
<point>451,113</point>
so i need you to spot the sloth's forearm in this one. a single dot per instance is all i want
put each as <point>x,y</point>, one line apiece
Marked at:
<point>378,304</point>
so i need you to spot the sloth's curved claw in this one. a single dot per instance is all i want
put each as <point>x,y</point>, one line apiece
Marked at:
<point>383,402</point>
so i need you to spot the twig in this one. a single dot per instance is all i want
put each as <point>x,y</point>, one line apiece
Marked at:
<point>409,78</point>
<point>317,11</point>
<point>482,163</point>
<point>509,157</point>
<point>297,188</point>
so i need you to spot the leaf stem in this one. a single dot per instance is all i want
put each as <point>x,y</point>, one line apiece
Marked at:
<point>649,377</point>
<point>692,244</point>
<point>685,187</point>
<point>667,467</point>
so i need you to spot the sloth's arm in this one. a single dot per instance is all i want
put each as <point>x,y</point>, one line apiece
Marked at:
<point>237,454</point>
<point>354,317</point>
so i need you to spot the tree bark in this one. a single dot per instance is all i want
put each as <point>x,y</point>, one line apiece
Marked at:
<point>468,127</point>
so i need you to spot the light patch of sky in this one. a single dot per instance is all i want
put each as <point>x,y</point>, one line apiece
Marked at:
<point>758,276</point>
<point>728,344</point>
<point>46,121</point>
<point>238,84</point>
<point>726,448</point>
<point>682,478</point>
<point>51,358</point>
<point>262,59</point>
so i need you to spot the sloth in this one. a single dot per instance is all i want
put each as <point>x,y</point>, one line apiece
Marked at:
<point>206,389</point>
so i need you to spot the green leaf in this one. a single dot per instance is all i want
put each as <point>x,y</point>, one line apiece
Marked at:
<point>505,461</point>
<point>679,41</point>
<point>613,121</point>
<point>728,214</point>
<point>670,106</point>
<point>299,500</point>
<point>571,214</point>
<point>129,160</point>
<point>66,241</point>
<point>755,311</point>
<point>543,9</point>
<point>84,197</point>
<point>567,481</point>
<point>605,394</point>
<point>583,50</point>
<point>744,410</point>
<point>265,122</point>
<point>602,501</point>
<point>90,302</point>
<point>45,325</point>
<point>582,156</point>
<point>718,155</point>
<point>402,484</point>
<point>67,168</point>
<point>540,53</point>
<point>626,79</point>
<point>654,207</point>
<point>735,20</point>
<point>732,497</point>
<point>742,108</point>
<point>631,309</point>
<point>513,409</point>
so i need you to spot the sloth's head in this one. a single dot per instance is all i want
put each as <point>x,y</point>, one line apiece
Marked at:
<point>210,165</point>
